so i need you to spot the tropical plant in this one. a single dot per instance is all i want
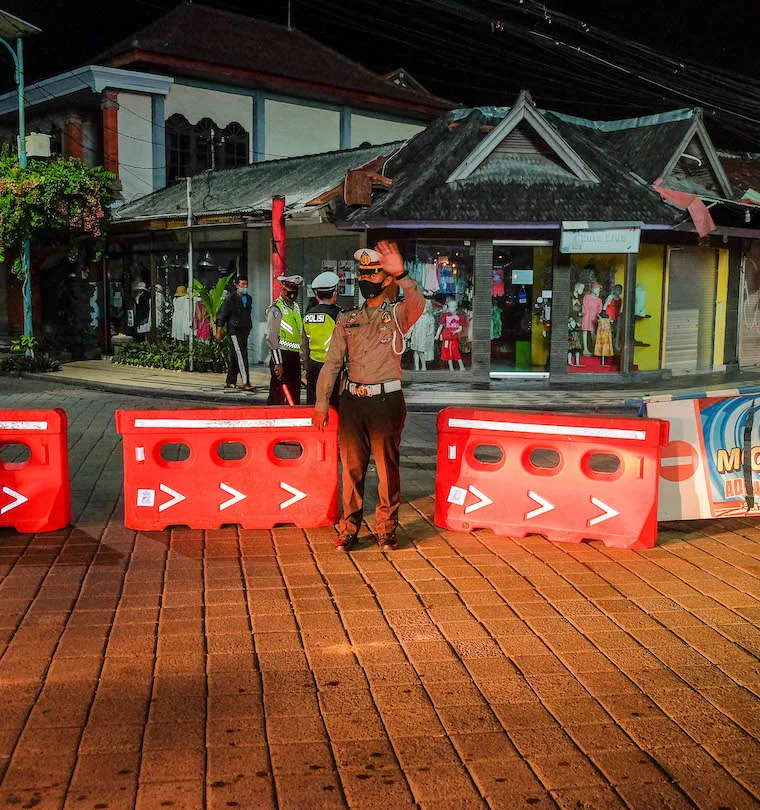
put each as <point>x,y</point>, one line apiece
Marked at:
<point>59,201</point>
<point>212,299</point>
<point>24,343</point>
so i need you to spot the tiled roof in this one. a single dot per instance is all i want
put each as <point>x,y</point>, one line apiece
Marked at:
<point>269,52</point>
<point>249,189</point>
<point>420,191</point>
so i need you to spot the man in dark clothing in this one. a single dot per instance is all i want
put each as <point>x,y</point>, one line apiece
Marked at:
<point>236,314</point>
<point>318,327</point>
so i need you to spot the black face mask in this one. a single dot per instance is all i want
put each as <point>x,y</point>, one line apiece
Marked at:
<point>291,295</point>
<point>370,289</point>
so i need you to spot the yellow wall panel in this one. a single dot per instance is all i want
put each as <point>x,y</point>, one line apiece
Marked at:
<point>720,308</point>
<point>650,273</point>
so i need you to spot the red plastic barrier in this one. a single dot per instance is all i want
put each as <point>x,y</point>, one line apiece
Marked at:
<point>205,491</point>
<point>557,475</point>
<point>35,495</point>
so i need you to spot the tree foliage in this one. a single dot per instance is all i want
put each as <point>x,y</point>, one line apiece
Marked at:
<point>60,201</point>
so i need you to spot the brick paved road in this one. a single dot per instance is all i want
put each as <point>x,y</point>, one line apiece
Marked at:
<point>190,669</point>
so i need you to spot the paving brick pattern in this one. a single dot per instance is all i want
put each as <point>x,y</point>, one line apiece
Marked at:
<point>223,669</point>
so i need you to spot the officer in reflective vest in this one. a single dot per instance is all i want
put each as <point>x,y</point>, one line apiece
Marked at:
<point>284,327</point>
<point>372,409</point>
<point>318,327</point>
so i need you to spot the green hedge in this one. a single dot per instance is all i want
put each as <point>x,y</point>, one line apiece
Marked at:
<point>173,355</point>
<point>18,364</point>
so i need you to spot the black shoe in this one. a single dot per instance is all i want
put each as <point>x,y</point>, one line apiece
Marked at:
<point>345,543</point>
<point>387,542</point>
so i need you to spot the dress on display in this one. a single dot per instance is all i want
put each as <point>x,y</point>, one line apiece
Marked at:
<point>422,336</point>
<point>574,338</point>
<point>612,307</point>
<point>202,322</point>
<point>181,318</point>
<point>496,324</point>
<point>445,278</point>
<point>640,305</point>
<point>603,345</point>
<point>592,306</point>
<point>431,277</point>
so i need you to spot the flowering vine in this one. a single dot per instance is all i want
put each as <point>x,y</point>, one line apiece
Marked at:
<point>58,201</point>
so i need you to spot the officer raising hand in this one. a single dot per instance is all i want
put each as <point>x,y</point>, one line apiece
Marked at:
<point>372,409</point>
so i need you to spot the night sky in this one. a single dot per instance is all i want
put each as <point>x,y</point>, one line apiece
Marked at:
<point>460,59</point>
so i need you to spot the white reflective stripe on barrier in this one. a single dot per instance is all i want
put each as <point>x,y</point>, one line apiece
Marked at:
<point>557,430</point>
<point>23,425</point>
<point>221,423</point>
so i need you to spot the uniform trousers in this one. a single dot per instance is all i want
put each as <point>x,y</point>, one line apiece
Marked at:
<point>291,376</point>
<point>312,375</point>
<point>370,425</point>
<point>238,359</point>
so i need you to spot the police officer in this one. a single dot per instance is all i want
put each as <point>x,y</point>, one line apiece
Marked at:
<point>372,409</point>
<point>284,326</point>
<point>235,312</point>
<point>318,327</point>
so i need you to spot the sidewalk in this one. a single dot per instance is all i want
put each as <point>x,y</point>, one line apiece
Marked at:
<point>262,670</point>
<point>102,375</point>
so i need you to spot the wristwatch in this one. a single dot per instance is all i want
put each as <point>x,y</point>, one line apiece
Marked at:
<point>403,275</point>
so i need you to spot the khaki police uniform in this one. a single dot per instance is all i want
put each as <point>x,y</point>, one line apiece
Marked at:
<point>284,325</point>
<point>371,409</point>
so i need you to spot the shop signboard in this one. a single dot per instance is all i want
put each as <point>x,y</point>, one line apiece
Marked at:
<point>578,237</point>
<point>711,467</point>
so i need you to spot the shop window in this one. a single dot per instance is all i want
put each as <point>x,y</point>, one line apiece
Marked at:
<point>521,294</point>
<point>442,337</point>
<point>191,149</point>
<point>595,324</point>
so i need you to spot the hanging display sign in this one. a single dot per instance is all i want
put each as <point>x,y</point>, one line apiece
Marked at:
<point>711,467</point>
<point>598,240</point>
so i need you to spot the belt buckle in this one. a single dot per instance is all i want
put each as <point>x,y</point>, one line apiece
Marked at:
<point>362,391</point>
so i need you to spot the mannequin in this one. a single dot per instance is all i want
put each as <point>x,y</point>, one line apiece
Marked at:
<point>576,302</point>
<point>449,329</point>
<point>160,306</point>
<point>573,342</point>
<point>603,344</point>
<point>592,306</point>
<point>181,316</point>
<point>422,338</point>
<point>142,307</point>
<point>612,307</point>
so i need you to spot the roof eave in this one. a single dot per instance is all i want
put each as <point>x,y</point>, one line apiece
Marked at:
<point>93,77</point>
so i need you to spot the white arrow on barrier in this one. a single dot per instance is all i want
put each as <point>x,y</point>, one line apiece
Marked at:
<point>236,496</point>
<point>18,500</point>
<point>546,506</point>
<point>176,497</point>
<point>609,512</point>
<point>296,493</point>
<point>484,500</point>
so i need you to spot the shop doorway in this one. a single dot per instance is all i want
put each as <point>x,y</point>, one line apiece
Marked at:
<point>521,292</point>
<point>691,301</point>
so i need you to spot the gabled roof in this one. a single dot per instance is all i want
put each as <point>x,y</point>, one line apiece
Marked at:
<point>709,175</point>
<point>249,189</point>
<point>525,112</point>
<point>421,193</point>
<point>201,41</point>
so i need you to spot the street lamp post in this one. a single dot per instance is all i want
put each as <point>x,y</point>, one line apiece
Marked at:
<point>12,27</point>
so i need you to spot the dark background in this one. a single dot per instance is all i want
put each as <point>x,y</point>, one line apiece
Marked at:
<point>452,55</point>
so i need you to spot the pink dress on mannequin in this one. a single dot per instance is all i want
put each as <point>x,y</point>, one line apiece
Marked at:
<point>592,306</point>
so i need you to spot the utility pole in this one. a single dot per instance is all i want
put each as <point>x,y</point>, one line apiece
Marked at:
<point>12,27</point>
<point>189,181</point>
<point>290,19</point>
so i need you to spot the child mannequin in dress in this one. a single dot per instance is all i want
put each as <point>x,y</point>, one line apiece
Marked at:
<point>603,345</point>
<point>449,329</point>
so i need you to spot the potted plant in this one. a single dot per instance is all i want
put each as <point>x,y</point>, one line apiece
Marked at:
<point>214,354</point>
